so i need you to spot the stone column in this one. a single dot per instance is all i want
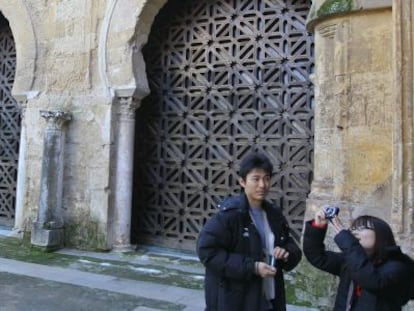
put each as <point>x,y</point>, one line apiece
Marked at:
<point>403,128</point>
<point>21,171</point>
<point>48,229</point>
<point>124,164</point>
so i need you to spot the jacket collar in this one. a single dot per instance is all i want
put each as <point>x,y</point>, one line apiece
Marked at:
<point>239,202</point>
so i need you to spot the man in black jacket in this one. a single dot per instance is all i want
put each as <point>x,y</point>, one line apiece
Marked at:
<point>246,246</point>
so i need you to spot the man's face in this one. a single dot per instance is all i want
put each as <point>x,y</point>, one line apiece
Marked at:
<point>256,186</point>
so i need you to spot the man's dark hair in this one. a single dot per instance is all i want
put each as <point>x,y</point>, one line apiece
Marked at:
<point>255,160</point>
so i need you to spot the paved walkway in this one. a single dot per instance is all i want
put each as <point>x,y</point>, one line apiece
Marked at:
<point>86,281</point>
<point>51,283</point>
<point>31,287</point>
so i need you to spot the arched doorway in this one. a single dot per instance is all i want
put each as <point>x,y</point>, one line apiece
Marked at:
<point>10,116</point>
<point>226,77</point>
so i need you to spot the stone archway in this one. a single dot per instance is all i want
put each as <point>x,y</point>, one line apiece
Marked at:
<point>227,77</point>
<point>10,116</point>
<point>21,26</point>
<point>122,69</point>
<point>119,57</point>
<point>19,19</point>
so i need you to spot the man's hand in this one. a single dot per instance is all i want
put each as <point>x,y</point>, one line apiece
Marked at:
<point>264,270</point>
<point>280,253</point>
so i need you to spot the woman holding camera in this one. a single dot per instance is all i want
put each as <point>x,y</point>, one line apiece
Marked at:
<point>374,273</point>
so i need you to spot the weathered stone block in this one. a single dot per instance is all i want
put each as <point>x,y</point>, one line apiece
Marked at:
<point>50,239</point>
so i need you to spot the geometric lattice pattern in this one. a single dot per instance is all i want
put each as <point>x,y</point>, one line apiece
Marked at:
<point>10,116</point>
<point>227,77</point>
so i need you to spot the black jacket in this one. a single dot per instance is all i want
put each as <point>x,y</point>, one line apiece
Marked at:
<point>228,246</point>
<point>383,284</point>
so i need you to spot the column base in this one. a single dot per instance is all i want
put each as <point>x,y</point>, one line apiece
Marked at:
<point>49,239</point>
<point>122,248</point>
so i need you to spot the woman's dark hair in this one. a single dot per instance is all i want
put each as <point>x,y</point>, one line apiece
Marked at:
<point>383,234</point>
<point>255,160</point>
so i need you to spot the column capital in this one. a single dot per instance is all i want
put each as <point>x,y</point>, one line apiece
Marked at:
<point>21,100</point>
<point>55,119</point>
<point>124,92</point>
<point>127,107</point>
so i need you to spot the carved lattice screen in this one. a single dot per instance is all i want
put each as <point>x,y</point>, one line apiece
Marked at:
<point>9,125</point>
<point>227,77</point>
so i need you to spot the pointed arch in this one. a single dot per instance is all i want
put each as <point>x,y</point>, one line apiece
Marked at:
<point>21,26</point>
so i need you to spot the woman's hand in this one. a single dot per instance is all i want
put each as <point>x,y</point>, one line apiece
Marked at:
<point>320,219</point>
<point>337,224</point>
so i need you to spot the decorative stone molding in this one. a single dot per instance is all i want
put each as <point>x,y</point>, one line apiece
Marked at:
<point>322,9</point>
<point>328,31</point>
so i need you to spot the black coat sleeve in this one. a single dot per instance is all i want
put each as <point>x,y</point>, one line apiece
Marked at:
<point>316,253</point>
<point>214,248</point>
<point>295,253</point>
<point>377,278</point>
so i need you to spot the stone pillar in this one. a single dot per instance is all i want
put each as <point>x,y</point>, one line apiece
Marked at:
<point>354,118</point>
<point>21,171</point>
<point>353,112</point>
<point>403,129</point>
<point>124,164</point>
<point>48,229</point>
<point>22,99</point>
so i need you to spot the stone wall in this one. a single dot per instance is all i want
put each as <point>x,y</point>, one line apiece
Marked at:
<point>81,56</point>
<point>67,79</point>
<point>73,56</point>
<point>353,115</point>
<point>363,141</point>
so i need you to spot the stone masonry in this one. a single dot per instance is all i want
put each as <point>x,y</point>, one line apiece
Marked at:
<point>84,57</point>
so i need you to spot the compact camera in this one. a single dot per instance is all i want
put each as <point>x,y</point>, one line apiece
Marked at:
<point>331,211</point>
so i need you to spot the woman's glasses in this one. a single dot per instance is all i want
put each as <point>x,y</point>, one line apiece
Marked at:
<point>361,227</point>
